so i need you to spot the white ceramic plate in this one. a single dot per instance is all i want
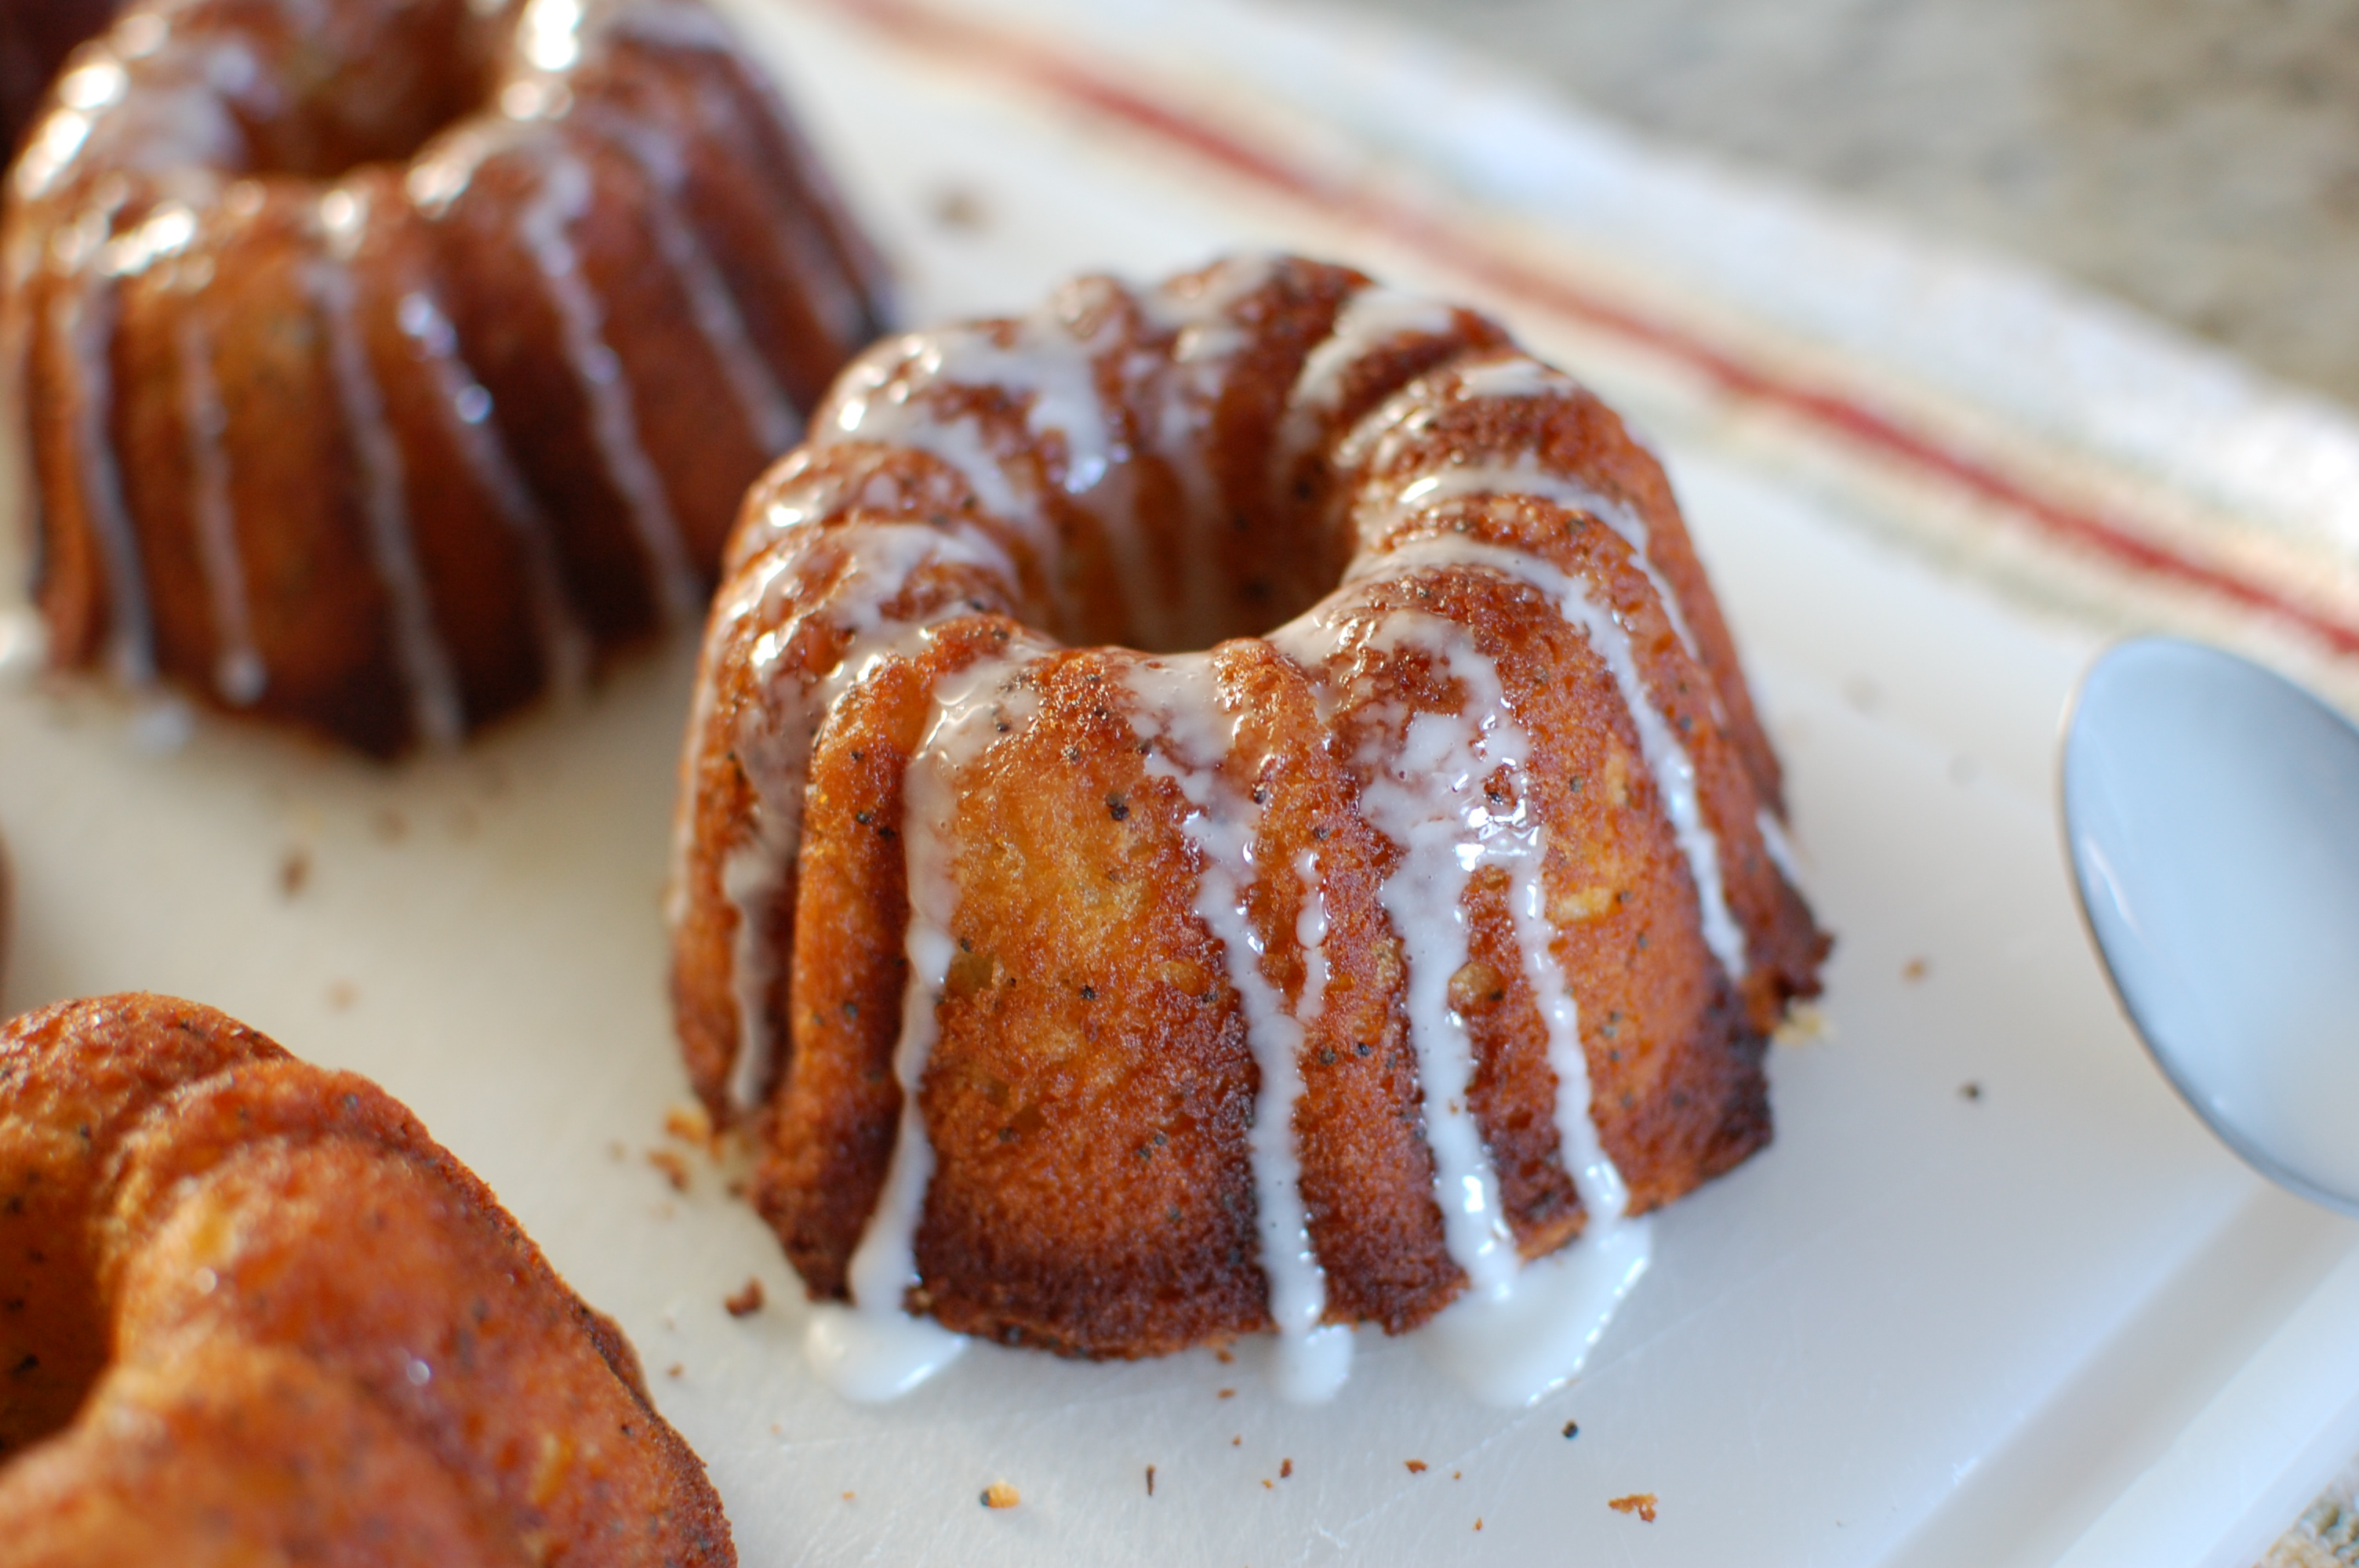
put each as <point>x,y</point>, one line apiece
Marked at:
<point>1992,1292</point>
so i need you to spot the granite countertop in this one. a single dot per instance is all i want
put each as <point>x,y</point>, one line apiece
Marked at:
<point>2199,161</point>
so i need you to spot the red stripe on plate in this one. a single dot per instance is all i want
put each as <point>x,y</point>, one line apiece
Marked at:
<point>2120,544</point>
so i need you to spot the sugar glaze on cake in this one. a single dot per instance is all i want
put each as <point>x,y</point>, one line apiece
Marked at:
<point>1115,1001</point>
<point>385,365</point>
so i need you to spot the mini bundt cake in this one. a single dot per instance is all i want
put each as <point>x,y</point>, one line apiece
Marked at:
<point>253,1314</point>
<point>387,363</point>
<point>1116,1001</point>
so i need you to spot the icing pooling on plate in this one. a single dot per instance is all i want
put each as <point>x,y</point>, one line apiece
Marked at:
<point>1449,785</point>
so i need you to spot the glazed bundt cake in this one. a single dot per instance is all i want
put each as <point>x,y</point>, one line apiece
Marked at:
<point>1118,1000</point>
<point>253,1314</point>
<point>386,363</point>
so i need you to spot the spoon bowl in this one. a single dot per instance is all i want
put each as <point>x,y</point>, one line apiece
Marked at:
<point>2211,816</point>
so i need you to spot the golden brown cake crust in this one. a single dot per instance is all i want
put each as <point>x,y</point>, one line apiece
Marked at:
<point>254,1299</point>
<point>1087,1084</point>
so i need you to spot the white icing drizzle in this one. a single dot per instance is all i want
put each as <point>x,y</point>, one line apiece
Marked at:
<point>971,709</point>
<point>1424,788</point>
<point>1521,1328</point>
<point>466,407</point>
<point>751,880</point>
<point>768,414</point>
<point>546,228</point>
<point>875,560</point>
<point>1372,319</point>
<point>1667,759</point>
<point>1519,375</point>
<point>84,323</point>
<point>885,397</point>
<point>1781,850</point>
<point>821,276</point>
<point>97,83</point>
<point>875,399</point>
<point>239,674</point>
<point>550,33</point>
<point>1311,934</point>
<point>165,231</point>
<point>49,152</point>
<point>1524,476</point>
<point>774,752</point>
<point>176,129</point>
<point>436,709</point>
<point>1177,710</point>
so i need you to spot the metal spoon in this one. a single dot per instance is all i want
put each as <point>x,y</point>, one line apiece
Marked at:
<point>2212,816</point>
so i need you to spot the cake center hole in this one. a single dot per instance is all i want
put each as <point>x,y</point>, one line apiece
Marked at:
<point>53,1341</point>
<point>376,87</point>
<point>1238,573</point>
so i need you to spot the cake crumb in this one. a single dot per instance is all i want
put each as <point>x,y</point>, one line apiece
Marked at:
<point>847,1496</point>
<point>1285,1468</point>
<point>341,994</point>
<point>1913,971</point>
<point>1000,1494</point>
<point>1151,1481</point>
<point>747,1302</point>
<point>1228,1393</point>
<point>1458,1475</point>
<point>293,872</point>
<point>675,1371</point>
<point>1237,1442</point>
<point>1267,1485</point>
<point>1416,1466</point>
<point>958,208</point>
<point>1478,1522</point>
<point>674,1168</point>
<point>691,1124</point>
<point>1640,1503</point>
<point>1969,1090</point>
<point>1805,1024</point>
<point>1572,1429</point>
<point>1223,1356</point>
